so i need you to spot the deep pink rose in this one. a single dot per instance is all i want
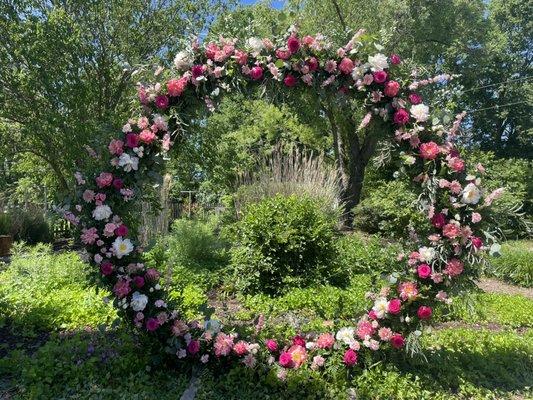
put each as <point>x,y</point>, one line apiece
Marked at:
<point>391,88</point>
<point>395,306</point>
<point>325,341</point>
<point>210,50</point>
<point>106,268</point>
<point>312,64</point>
<point>429,150</point>
<point>240,348</point>
<point>193,347</point>
<point>476,242</point>
<point>395,59</point>
<point>138,281</point>
<point>350,358</point>
<point>121,288</point>
<point>283,54</point>
<point>372,315</point>
<point>290,80</point>
<point>161,102</point>
<point>424,312</point>
<point>176,87</point>
<point>122,230</point>
<point>424,271</point>
<point>397,341</point>
<point>241,57</point>
<point>401,117</point>
<point>285,360</point>
<point>380,76</point>
<point>451,231</point>
<point>118,183</point>
<point>415,98</point>
<point>438,220</point>
<point>147,136</point>
<point>104,179</point>
<point>152,324</point>
<point>132,140</point>
<point>346,66</point>
<point>197,71</point>
<point>298,341</point>
<point>293,44</point>
<point>272,345</point>
<point>256,73</point>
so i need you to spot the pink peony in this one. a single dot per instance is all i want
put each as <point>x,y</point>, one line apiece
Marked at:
<point>395,306</point>
<point>476,217</point>
<point>350,358</point>
<point>88,195</point>
<point>161,102</point>
<point>283,54</point>
<point>193,347</point>
<point>346,66</point>
<point>122,230</point>
<point>397,341</point>
<point>415,98</point>
<point>391,88</point>
<point>476,242</point>
<point>293,44</point>
<point>197,71</point>
<point>285,360</point>
<point>308,40</point>
<point>325,341</point>
<point>395,59</point>
<point>147,136</point>
<point>241,57</point>
<point>380,76</point>
<point>429,150</point>
<point>330,66</point>
<point>121,288</point>
<point>116,147</point>
<point>424,271</point>
<point>256,73</point>
<point>298,341</point>
<point>451,231</point>
<point>364,329</point>
<point>290,80</point>
<point>176,87</point>
<point>104,179</point>
<point>272,345</point>
<point>312,63</point>
<point>138,281</point>
<point>106,268</point>
<point>152,275</point>
<point>454,267</point>
<point>456,164</point>
<point>298,355</point>
<point>89,236</point>
<point>152,324</point>
<point>223,344</point>
<point>385,334</point>
<point>240,348</point>
<point>132,140</point>
<point>424,312</point>
<point>408,290</point>
<point>401,117</point>
<point>210,50</point>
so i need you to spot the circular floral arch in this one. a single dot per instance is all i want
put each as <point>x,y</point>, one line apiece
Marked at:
<point>440,262</point>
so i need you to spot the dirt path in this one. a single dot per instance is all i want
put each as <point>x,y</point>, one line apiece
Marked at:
<point>491,285</point>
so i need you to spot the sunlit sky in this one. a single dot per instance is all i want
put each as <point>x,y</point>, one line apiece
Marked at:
<point>275,3</point>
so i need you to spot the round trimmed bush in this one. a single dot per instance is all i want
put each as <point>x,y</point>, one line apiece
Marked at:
<point>283,241</point>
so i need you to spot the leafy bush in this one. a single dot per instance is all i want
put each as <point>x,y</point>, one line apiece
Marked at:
<point>515,264</point>
<point>5,224</point>
<point>388,209</point>
<point>371,255</point>
<point>45,291</point>
<point>283,241</point>
<point>30,226</point>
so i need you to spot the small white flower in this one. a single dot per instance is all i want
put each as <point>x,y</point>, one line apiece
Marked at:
<point>345,335</point>
<point>102,212</point>
<point>378,62</point>
<point>426,253</point>
<point>126,128</point>
<point>381,306</point>
<point>420,112</point>
<point>128,162</point>
<point>122,247</point>
<point>256,44</point>
<point>205,358</point>
<point>183,61</point>
<point>138,301</point>
<point>471,194</point>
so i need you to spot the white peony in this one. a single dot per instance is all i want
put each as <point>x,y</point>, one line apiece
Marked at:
<point>128,162</point>
<point>102,212</point>
<point>345,335</point>
<point>138,301</point>
<point>122,247</point>
<point>256,44</point>
<point>420,112</point>
<point>378,62</point>
<point>426,253</point>
<point>381,307</point>
<point>183,61</point>
<point>471,194</point>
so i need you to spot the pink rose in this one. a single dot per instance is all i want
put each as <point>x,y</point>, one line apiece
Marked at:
<point>312,63</point>
<point>454,267</point>
<point>152,324</point>
<point>456,164</point>
<point>415,98</point>
<point>138,281</point>
<point>325,341</point>
<point>193,347</point>
<point>391,88</point>
<point>293,44</point>
<point>176,87</point>
<point>424,271</point>
<point>438,220</point>
<point>346,66</point>
<point>283,54</point>
<point>256,73</point>
<point>476,242</point>
<point>350,358</point>
<point>210,50</point>
<point>364,329</point>
<point>330,66</point>
<point>476,217</point>
<point>161,102</point>
<point>197,71</point>
<point>240,348</point>
<point>395,306</point>
<point>298,341</point>
<point>106,268</point>
<point>401,117</point>
<point>122,230</point>
<point>429,150</point>
<point>395,59</point>
<point>147,136</point>
<point>424,312</point>
<point>104,179</point>
<point>308,40</point>
<point>290,80</point>
<point>132,140</point>
<point>272,345</point>
<point>397,341</point>
<point>152,275</point>
<point>241,57</point>
<point>116,147</point>
<point>285,360</point>
<point>451,231</point>
<point>118,183</point>
<point>380,76</point>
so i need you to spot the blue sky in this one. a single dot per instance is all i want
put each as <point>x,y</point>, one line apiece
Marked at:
<point>275,3</point>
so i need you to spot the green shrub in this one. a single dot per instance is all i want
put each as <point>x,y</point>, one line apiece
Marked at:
<point>45,291</point>
<point>5,224</point>
<point>30,226</point>
<point>515,264</point>
<point>388,209</point>
<point>283,241</point>
<point>371,255</point>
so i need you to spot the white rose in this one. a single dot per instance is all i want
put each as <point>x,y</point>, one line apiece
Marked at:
<point>256,44</point>
<point>471,194</point>
<point>128,162</point>
<point>345,335</point>
<point>182,61</point>
<point>381,306</point>
<point>420,112</point>
<point>378,62</point>
<point>102,212</point>
<point>426,253</point>
<point>122,247</point>
<point>138,301</point>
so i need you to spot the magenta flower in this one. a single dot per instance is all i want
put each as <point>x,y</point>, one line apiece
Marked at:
<point>152,324</point>
<point>350,358</point>
<point>161,102</point>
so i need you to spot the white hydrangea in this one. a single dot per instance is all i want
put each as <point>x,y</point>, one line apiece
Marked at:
<point>378,62</point>
<point>256,44</point>
<point>183,61</point>
<point>138,301</point>
<point>420,112</point>
<point>128,162</point>
<point>426,253</point>
<point>345,335</point>
<point>471,194</point>
<point>102,212</point>
<point>122,247</point>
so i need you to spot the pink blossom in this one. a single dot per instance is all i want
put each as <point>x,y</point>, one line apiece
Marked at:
<point>161,102</point>
<point>290,80</point>
<point>401,117</point>
<point>241,57</point>
<point>368,79</point>
<point>346,66</point>
<point>256,73</point>
<point>429,150</point>
<point>395,306</point>
<point>364,329</point>
<point>99,198</point>
<point>88,195</point>
<point>240,348</point>
<point>350,358</point>
<point>325,341</point>
<point>89,236</point>
<point>451,230</point>
<point>223,344</point>
<point>285,360</point>
<point>312,63</point>
<point>308,40</point>
<point>408,290</point>
<point>283,54</point>
<point>109,229</point>
<point>193,347</point>
<point>330,66</point>
<point>477,243</point>
<point>298,355</point>
<point>455,187</point>
<point>380,76</point>
<point>132,140</point>
<point>147,136</point>
<point>116,147</point>
<point>293,44</point>
<point>122,288</point>
<point>454,267</point>
<point>138,281</point>
<point>308,79</point>
<point>424,271</point>
<point>249,360</point>
<point>104,179</point>
<point>298,341</point>
<point>496,194</point>
<point>318,361</point>
<point>437,277</point>
<point>176,87</point>
<point>415,98</point>
<point>152,324</point>
<point>391,88</point>
<point>385,334</point>
<point>397,341</point>
<point>179,328</point>
<point>210,50</point>
<point>456,164</point>
<point>118,183</point>
<point>476,217</point>
<point>395,59</point>
<point>438,220</point>
<point>106,268</point>
<point>197,71</point>
<point>121,230</point>
<point>272,345</point>
<point>152,275</point>
<point>424,312</point>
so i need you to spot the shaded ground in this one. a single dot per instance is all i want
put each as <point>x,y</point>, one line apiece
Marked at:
<point>491,285</point>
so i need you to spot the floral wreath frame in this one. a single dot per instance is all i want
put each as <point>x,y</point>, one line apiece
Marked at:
<point>401,309</point>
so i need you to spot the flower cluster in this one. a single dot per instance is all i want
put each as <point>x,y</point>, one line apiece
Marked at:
<point>403,305</point>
